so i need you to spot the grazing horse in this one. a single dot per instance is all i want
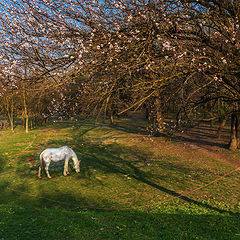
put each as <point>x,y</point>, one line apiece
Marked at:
<point>58,154</point>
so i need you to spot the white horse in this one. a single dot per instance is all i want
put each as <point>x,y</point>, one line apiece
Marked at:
<point>58,154</point>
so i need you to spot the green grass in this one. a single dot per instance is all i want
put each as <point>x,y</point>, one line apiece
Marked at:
<point>131,186</point>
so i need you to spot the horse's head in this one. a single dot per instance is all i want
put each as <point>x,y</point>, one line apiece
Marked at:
<point>76,164</point>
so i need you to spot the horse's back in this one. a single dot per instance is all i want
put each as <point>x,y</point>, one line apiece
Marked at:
<point>54,150</point>
<point>56,154</point>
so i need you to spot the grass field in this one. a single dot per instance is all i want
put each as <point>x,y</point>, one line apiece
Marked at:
<point>131,186</point>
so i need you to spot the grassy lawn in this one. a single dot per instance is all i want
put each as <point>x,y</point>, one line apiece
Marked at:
<point>131,186</point>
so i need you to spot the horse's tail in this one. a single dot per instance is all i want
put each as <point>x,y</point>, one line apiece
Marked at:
<point>41,167</point>
<point>41,162</point>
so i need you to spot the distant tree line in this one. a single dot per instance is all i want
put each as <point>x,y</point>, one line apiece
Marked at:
<point>107,57</point>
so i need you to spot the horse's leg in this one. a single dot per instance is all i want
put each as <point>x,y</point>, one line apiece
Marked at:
<point>39,172</point>
<point>65,171</point>
<point>46,168</point>
<point>67,166</point>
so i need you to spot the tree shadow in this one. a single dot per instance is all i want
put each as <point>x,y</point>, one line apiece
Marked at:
<point>122,166</point>
<point>51,212</point>
<point>42,214</point>
<point>128,127</point>
<point>4,167</point>
<point>59,222</point>
<point>108,159</point>
<point>202,134</point>
<point>41,209</point>
<point>201,142</point>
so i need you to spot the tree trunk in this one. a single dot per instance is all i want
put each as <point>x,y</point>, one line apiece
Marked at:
<point>12,120</point>
<point>157,117</point>
<point>179,118</point>
<point>235,131</point>
<point>221,126</point>
<point>25,112</point>
<point>27,121</point>
<point>110,114</point>
<point>9,108</point>
<point>12,125</point>
<point>147,111</point>
<point>111,119</point>
<point>31,123</point>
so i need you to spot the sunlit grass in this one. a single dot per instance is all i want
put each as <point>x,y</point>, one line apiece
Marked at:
<point>131,186</point>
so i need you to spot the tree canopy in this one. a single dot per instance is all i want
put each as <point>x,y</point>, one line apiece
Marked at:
<point>106,57</point>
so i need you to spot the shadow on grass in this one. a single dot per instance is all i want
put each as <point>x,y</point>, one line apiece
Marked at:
<point>129,126</point>
<point>108,160</point>
<point>202,142</point>
<point>2,164</point>
<point>125,125</point>
<point>35,209</point>
<point>204,136</point>
<point>4,169</point>
<point>25,223</point>
<point>53,214</point>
